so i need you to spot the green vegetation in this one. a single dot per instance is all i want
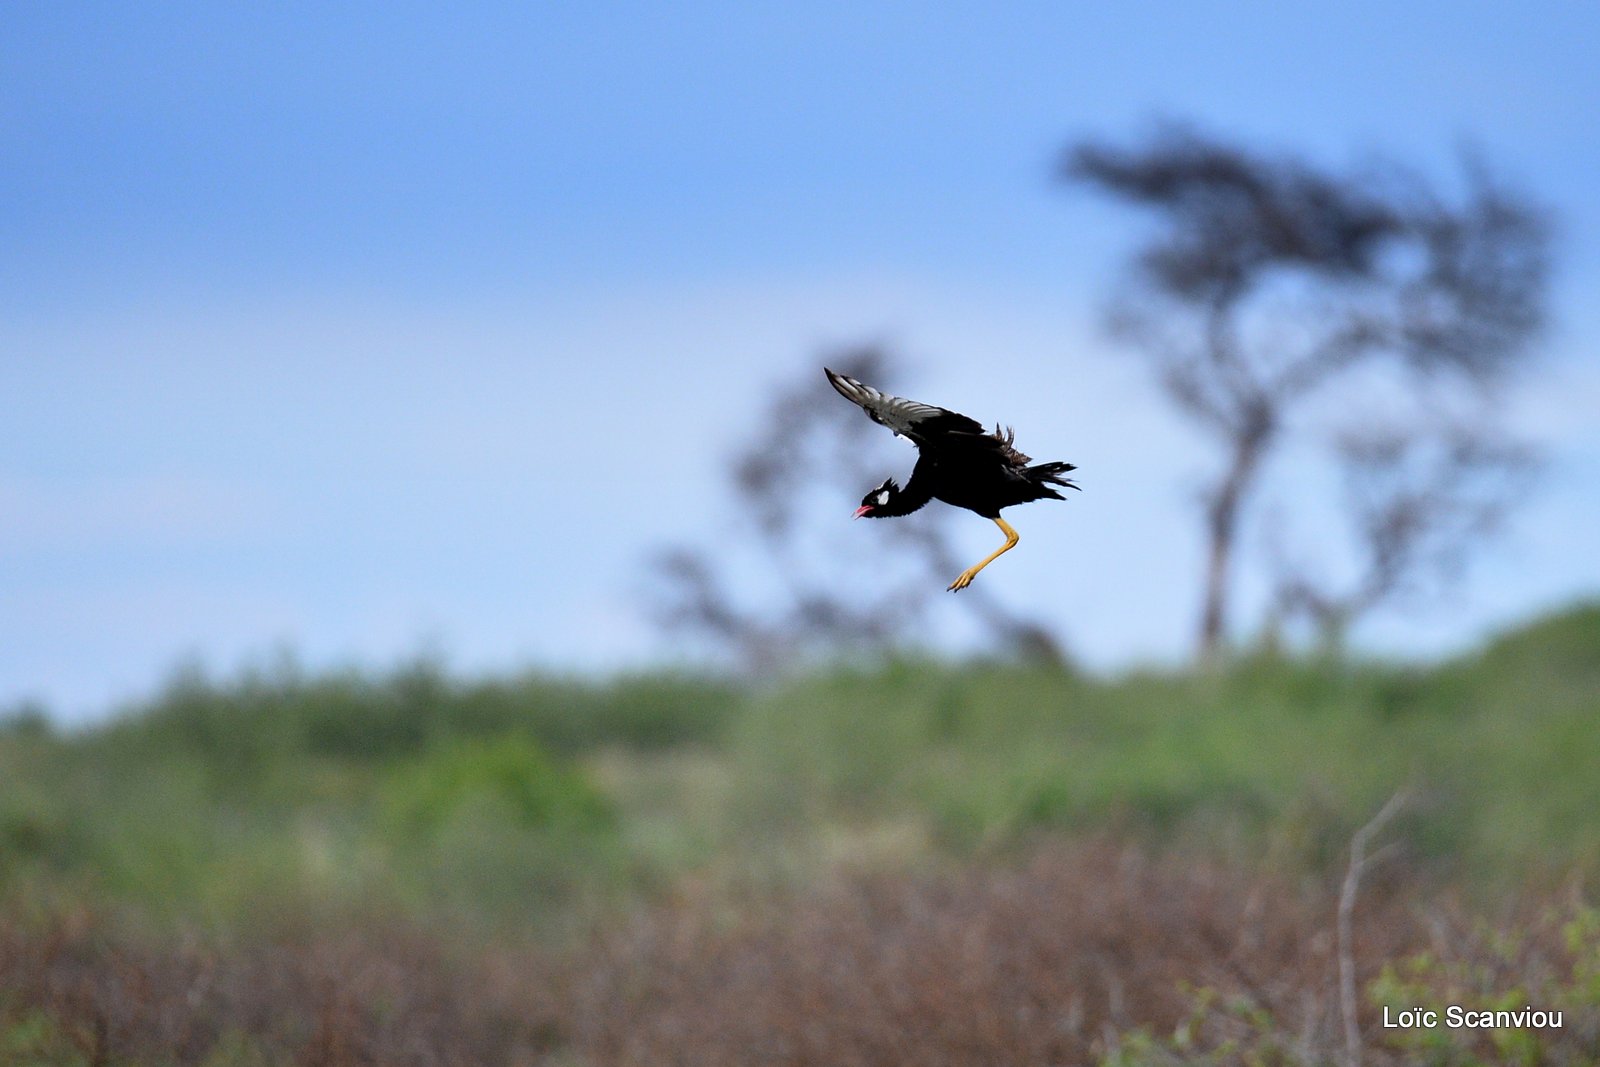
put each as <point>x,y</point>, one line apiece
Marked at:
<point>257,796</point>
<point>286,867</point>
<point>1498,749</point>
<point>517,800</point>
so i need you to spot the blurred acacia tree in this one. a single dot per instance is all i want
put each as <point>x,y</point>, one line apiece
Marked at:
<point>1279,301</point>
<point>794,480</point>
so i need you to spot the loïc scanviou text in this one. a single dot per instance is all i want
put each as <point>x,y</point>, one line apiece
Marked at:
<point>1455,1017</point>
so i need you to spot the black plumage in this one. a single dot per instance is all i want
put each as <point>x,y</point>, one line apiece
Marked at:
<point>958,462</point>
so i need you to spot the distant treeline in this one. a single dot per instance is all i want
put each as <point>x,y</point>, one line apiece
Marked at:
<point>524,798</point>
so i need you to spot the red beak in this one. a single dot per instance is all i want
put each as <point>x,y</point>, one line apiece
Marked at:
<point>862,510</point>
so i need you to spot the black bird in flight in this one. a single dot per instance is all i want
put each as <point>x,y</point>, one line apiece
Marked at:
<point>957,462</point>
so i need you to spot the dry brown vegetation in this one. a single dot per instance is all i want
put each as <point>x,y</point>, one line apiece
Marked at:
<point>75,986</point>
<point>1078,955</point>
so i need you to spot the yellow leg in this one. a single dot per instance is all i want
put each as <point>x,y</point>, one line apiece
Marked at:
<point>964,579</point>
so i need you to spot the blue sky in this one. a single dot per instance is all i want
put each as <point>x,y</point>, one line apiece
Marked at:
<point>363,328</point>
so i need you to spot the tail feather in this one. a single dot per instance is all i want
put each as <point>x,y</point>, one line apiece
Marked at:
<point>1044,474</point>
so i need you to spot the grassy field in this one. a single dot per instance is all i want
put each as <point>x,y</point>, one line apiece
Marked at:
<point>596,859</point>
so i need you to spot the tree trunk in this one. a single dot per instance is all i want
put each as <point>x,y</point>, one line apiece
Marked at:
<point>1222,526</point>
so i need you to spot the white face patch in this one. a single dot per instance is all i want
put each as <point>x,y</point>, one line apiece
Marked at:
<point>882,498</point>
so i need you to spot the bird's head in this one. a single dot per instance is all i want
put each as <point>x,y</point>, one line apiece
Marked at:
<point>878,498</point>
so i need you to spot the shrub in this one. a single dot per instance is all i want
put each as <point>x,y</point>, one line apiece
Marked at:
<point>509,779</point>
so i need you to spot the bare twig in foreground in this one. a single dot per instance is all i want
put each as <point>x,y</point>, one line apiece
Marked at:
<point>1347,905</point>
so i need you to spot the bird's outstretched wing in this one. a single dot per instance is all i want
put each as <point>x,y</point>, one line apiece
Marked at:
<point>915,420</point>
